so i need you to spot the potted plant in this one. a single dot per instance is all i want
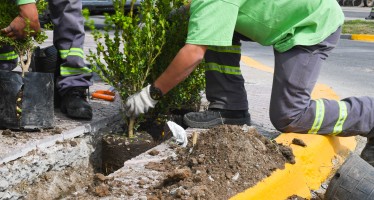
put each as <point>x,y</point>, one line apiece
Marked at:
<point>27,97</point>
<point>134,48</point>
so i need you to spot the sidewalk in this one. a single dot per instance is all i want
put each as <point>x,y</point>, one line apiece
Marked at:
<point>308,174</point>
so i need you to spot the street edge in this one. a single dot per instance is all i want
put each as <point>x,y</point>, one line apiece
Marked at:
<point>315,162</point>
<point>358,37</point>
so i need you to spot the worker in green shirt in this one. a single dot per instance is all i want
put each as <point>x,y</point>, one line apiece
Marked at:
<point>302,34</point>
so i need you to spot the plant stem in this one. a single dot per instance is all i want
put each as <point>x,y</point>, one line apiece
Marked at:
<point>131,127</point>
<point>25,65</point>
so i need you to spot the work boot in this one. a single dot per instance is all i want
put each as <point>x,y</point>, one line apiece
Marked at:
<point>74,103</point>
<point>368,152</point>
<point>214,117</point>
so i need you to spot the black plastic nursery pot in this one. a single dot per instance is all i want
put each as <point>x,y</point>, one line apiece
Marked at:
<point>26,102</point>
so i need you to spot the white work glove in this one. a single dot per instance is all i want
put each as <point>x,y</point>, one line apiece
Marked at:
<point>139,103</point>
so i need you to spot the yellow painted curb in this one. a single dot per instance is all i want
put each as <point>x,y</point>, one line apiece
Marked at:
<point>363,37</point>
<point>313,166</point>
<point>314,163</point>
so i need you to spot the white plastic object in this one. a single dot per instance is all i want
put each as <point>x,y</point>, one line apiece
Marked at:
<point>179,133</point>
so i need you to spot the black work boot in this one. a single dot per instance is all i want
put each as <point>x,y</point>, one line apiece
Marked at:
<point>214,117</point>
<point>74,103</point>
<point>368,152</point>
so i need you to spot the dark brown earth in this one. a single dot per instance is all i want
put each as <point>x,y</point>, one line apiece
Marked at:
<point>116,149</point>
<point>225,161</point>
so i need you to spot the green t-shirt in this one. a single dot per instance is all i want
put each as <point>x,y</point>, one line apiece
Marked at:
<point>20,2</point>
<point>281,23</point>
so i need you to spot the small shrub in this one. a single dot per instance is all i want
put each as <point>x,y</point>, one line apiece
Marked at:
<point>135,48</point>
<point>24,47</point>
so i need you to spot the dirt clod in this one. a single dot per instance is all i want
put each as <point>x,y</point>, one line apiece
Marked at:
<point>299,142</point>
<point>153,152</point>
<point>102,190</point>
<point>100,177</point>
<point>225,160</point>
<point>7,132</point>
<point>73,143</point>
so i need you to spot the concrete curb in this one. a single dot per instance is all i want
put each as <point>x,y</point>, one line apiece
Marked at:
<point>308,173</point>
<point>363,37</point>
<point>65,135</point>
<point>358,37</point>
<point>315,163</point>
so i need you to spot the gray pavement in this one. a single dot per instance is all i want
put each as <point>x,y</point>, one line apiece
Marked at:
<point>258,85</point>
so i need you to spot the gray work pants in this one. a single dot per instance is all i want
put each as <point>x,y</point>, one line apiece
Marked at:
<point>224,81</point>
<point>291,107</point>
<point>8,58</point>
<point>68,38</point>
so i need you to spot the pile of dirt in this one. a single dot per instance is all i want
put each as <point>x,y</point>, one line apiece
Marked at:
<point>225,161</point>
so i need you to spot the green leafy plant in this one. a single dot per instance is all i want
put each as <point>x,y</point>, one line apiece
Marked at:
<point>136,47</point>
<point>186,95</point>
<point>24,47</point>
<point>127,49</point>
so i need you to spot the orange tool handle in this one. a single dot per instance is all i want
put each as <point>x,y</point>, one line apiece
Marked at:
<point>107,92</point>
<point>103,96</point>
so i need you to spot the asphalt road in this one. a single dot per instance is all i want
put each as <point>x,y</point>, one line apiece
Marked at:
<point>356,12</point>
<point>349,70</point>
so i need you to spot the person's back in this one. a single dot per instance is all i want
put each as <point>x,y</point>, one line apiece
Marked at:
<point>282,23</point>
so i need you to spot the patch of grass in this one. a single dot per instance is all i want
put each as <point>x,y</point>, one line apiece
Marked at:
<point>358,27</point>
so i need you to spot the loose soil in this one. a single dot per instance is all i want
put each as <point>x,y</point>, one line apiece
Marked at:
<point>225,161</point>
<point>116,149</point>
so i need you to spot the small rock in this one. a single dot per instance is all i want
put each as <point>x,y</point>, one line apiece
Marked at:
<point>7,132</point>
<point>100,177</point>
<point>236,176</point>
<point>73,143</point>
<point>154,152</point>
<point>299,142</point>
<point>228,175</point>
<point>141,182</point>
<point>180,174</point>
<point>130,192</point>
<point>102,190</point>
<point>56,131</point>
<point>152,198</point>
<point>194,161</point>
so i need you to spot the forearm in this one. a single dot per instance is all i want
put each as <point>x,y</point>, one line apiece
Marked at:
<point>25,24</point>
<point>182,65</point>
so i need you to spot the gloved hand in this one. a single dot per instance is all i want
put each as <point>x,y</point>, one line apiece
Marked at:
<point>139,103</point>
<point>28,16</point>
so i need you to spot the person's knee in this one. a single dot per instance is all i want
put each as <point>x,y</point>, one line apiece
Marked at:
<point>284,121</point>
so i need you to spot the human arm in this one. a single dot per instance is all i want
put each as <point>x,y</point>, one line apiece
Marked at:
<point>28,16</point>
<point>182,65</point>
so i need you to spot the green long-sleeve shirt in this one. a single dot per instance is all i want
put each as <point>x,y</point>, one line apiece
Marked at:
<point>281,23</point>
<point>20,2</point>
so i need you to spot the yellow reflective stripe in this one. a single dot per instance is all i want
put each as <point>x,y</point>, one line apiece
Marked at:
<point>66,71</point>
<point>76,52</point>
<point>320,113</point>
<point>224,69</point>
<point>343,113</point>
<point>72,52</point>
<point>64,53</point>
<point>8,56</point>
<point>229,49</point>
